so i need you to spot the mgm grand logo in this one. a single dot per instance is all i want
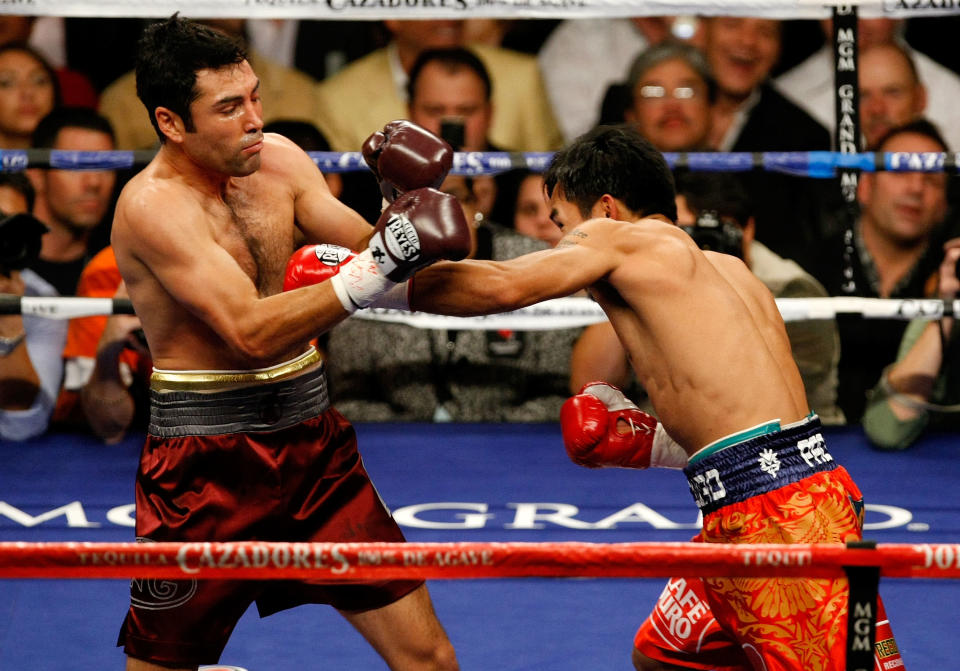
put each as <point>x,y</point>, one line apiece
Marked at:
<point>455,515</point>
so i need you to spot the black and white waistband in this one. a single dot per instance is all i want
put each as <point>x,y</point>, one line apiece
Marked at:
<point>260,407</point>
<point>759,465</point>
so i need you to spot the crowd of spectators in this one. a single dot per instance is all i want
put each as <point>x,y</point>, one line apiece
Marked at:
<point>687,83</point>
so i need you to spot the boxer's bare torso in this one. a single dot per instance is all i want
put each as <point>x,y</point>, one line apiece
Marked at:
<point>703,334</point>
<point>197,248</point>
<point>248,218</point>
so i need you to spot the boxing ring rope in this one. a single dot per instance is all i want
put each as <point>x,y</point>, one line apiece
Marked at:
<point>390,561</point>
<point>816,164</point>
<point>558,313</point>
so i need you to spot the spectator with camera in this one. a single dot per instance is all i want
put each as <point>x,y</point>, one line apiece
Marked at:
<point>372,90</point>
<point>30,365</point>
<point>449,92</point>
<point>921,389</point>
<point>716,211</point>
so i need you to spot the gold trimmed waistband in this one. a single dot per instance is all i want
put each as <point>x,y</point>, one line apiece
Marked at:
<point>216,380</point>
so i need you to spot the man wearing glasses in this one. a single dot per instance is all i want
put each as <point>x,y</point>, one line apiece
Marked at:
<point>672,90</point>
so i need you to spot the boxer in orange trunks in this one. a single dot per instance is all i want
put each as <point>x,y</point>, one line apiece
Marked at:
<point>769,485</point>
<point>707,343</point>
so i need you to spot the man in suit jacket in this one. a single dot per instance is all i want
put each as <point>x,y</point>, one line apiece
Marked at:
<point>371,91</point>
<point>749,114</point>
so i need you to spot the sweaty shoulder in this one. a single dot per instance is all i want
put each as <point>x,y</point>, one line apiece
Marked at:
<point>630,236</point>
<point>282,154</point>
<point>154,206</point>
<point>592,231</point>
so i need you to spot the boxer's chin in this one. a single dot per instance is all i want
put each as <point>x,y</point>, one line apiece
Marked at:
<point>245,165</point>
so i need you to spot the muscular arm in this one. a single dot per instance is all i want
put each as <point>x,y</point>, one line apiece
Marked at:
<point>319,215</point>
<point>470,288</point>
<point>169,241</point>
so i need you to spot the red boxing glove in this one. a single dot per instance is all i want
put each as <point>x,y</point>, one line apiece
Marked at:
<point>589,423</point>
<point>312,264</point>
<point>404,157</point>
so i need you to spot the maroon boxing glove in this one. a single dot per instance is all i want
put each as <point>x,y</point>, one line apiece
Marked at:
<point>404,157</point>
<point>418,228</point>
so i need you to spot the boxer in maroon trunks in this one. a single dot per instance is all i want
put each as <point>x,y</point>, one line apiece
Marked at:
<point>242,444</point>
<point>203,437</point>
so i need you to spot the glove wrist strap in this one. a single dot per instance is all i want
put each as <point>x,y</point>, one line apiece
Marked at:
<point>360,282</point>
<point>666,452</point>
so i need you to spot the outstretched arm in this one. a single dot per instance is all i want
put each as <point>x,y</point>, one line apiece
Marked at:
<point>470,288</point>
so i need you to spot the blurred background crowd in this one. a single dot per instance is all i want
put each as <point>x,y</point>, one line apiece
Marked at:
<point>687,83</point>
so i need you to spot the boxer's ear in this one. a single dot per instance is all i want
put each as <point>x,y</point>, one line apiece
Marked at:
<point>611,208</point>
<point>170,124</point>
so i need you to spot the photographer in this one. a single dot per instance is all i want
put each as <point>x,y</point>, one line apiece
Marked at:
<point>30,363</point>
<point>921,389</point>
<point>715,210</point>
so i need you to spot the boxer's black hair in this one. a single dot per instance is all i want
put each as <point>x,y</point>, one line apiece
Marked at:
<point>613,160</point>
<point>169,55</point>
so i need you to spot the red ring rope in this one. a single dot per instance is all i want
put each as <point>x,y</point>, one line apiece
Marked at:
<point>379,561</point>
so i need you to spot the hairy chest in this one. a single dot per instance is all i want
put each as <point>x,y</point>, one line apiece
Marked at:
<point>255,225</point>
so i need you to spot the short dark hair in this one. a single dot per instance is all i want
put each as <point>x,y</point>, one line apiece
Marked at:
<point>920,126</point>
<point>169,55</point>
<point>46,132</point>
<point>452,59</point>
<point>616,160</point>
<point>721,192</point>
<point>20,183</point>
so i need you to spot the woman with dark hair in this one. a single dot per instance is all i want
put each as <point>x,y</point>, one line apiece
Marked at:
<point>28,92</point>
<point>521,205</point>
